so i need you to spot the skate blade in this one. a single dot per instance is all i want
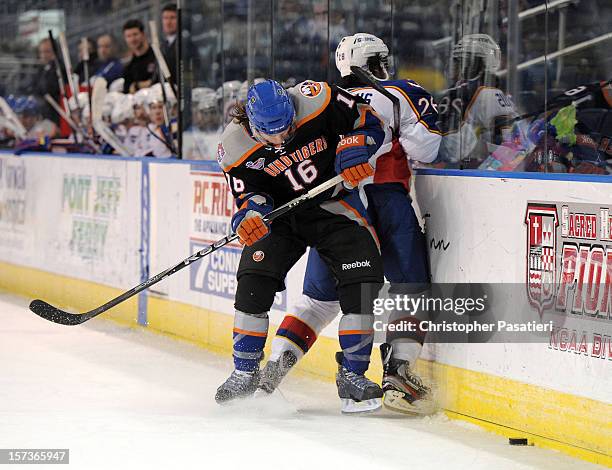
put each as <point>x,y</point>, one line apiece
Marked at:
<point>394,400</point>
<point>261,394</point>
<point>350,406</point>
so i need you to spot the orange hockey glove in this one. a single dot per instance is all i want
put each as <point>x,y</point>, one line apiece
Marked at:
<point>248,222</point>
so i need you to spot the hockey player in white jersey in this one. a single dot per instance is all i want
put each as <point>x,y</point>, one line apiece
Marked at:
<point>474,115</point>
<point>157,140</point>
<point>402,243</point>
<point>227,94</point>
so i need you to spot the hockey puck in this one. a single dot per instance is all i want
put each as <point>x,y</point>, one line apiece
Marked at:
<point>518,441</point>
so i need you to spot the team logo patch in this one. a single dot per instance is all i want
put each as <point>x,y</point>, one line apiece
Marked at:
<point>257,164</point>
<point>310,89</point>
<point>220,152</point>
<point>258,256</point>
<point>542,222</point>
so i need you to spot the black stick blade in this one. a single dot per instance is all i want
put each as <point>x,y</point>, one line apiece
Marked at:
<point>55,315</point>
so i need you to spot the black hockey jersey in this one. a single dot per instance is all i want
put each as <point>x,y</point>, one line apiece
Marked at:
<point>323,114</point>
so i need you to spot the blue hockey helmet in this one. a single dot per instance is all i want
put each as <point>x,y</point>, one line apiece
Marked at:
<point>26,105</point>
<point>269,108</point>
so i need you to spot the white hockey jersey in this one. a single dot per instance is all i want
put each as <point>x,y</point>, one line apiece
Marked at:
<point>153,142</point>
<point>472,118</point>
<point>419,136</point>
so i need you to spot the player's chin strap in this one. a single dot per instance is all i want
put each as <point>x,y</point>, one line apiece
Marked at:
<point>54,314</point>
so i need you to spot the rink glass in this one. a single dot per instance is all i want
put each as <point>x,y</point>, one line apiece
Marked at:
<point>546,47</point>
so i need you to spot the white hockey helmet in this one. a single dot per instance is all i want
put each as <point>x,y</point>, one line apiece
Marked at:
<point>82,99</point>
<point>478,45</point>
<point>359,50</point>
<point>83,104</point>
<point>156,96</point>
<point>140,97</point>
<point>242,92</point>
<point>123,109</point>
<point>229,90</point>
<point>110,100</point>
<point>117,85</point>
<point>204,98</point>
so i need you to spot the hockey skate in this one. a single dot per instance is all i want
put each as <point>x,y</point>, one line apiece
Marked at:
<point>274,372</point>
<point>239,385</point>
<point>357,393</point>
<point>403,390</point>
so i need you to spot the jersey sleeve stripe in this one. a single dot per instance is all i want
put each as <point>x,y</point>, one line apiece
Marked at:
<point>246,155</point>
<point>314,114</point>
<point>361,221</point>
<point>414,109</point>
<point>363,110</point>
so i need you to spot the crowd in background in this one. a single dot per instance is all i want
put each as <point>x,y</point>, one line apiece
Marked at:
<point>224,50</point>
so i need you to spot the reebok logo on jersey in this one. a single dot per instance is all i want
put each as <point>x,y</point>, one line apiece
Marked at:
<point>357,140</point>
<point>357,264</point>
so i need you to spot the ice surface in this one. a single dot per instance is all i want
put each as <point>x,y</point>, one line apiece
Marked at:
<point>122,398</point>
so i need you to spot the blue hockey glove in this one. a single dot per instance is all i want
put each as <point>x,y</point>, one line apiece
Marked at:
<point>352,156</point>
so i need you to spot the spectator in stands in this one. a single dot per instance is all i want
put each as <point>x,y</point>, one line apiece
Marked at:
<point>168,46</point>
<point>45,80</point>
<point>189,55</point>
<point>141,71</point>
<point>109,66</point>
<point>169,29</point>
<point>93,60</point>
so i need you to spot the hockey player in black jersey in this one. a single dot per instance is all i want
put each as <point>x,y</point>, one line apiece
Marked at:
<point>403,244</point>
<point>281,144</point>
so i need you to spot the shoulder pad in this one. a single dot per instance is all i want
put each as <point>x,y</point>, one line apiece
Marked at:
<point>310,99</point>
<point>236,146</point>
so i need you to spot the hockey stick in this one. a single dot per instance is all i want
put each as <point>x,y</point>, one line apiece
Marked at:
<point>12,119</point>
<point>556,108</point>
<point>85,47</point>
<point>367,77</point>
<point>54,314</point>
<point>68,65</point>
<point>98,94</point>
<point>73,125</point>
<point>159,56</point>
<point>58,67</point>
<point>111,139</point>
<point>179,78</point>
<point>164,76</point>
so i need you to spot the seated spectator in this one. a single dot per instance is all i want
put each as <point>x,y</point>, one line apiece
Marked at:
<point>141,71</point>
<point>108,65</point>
